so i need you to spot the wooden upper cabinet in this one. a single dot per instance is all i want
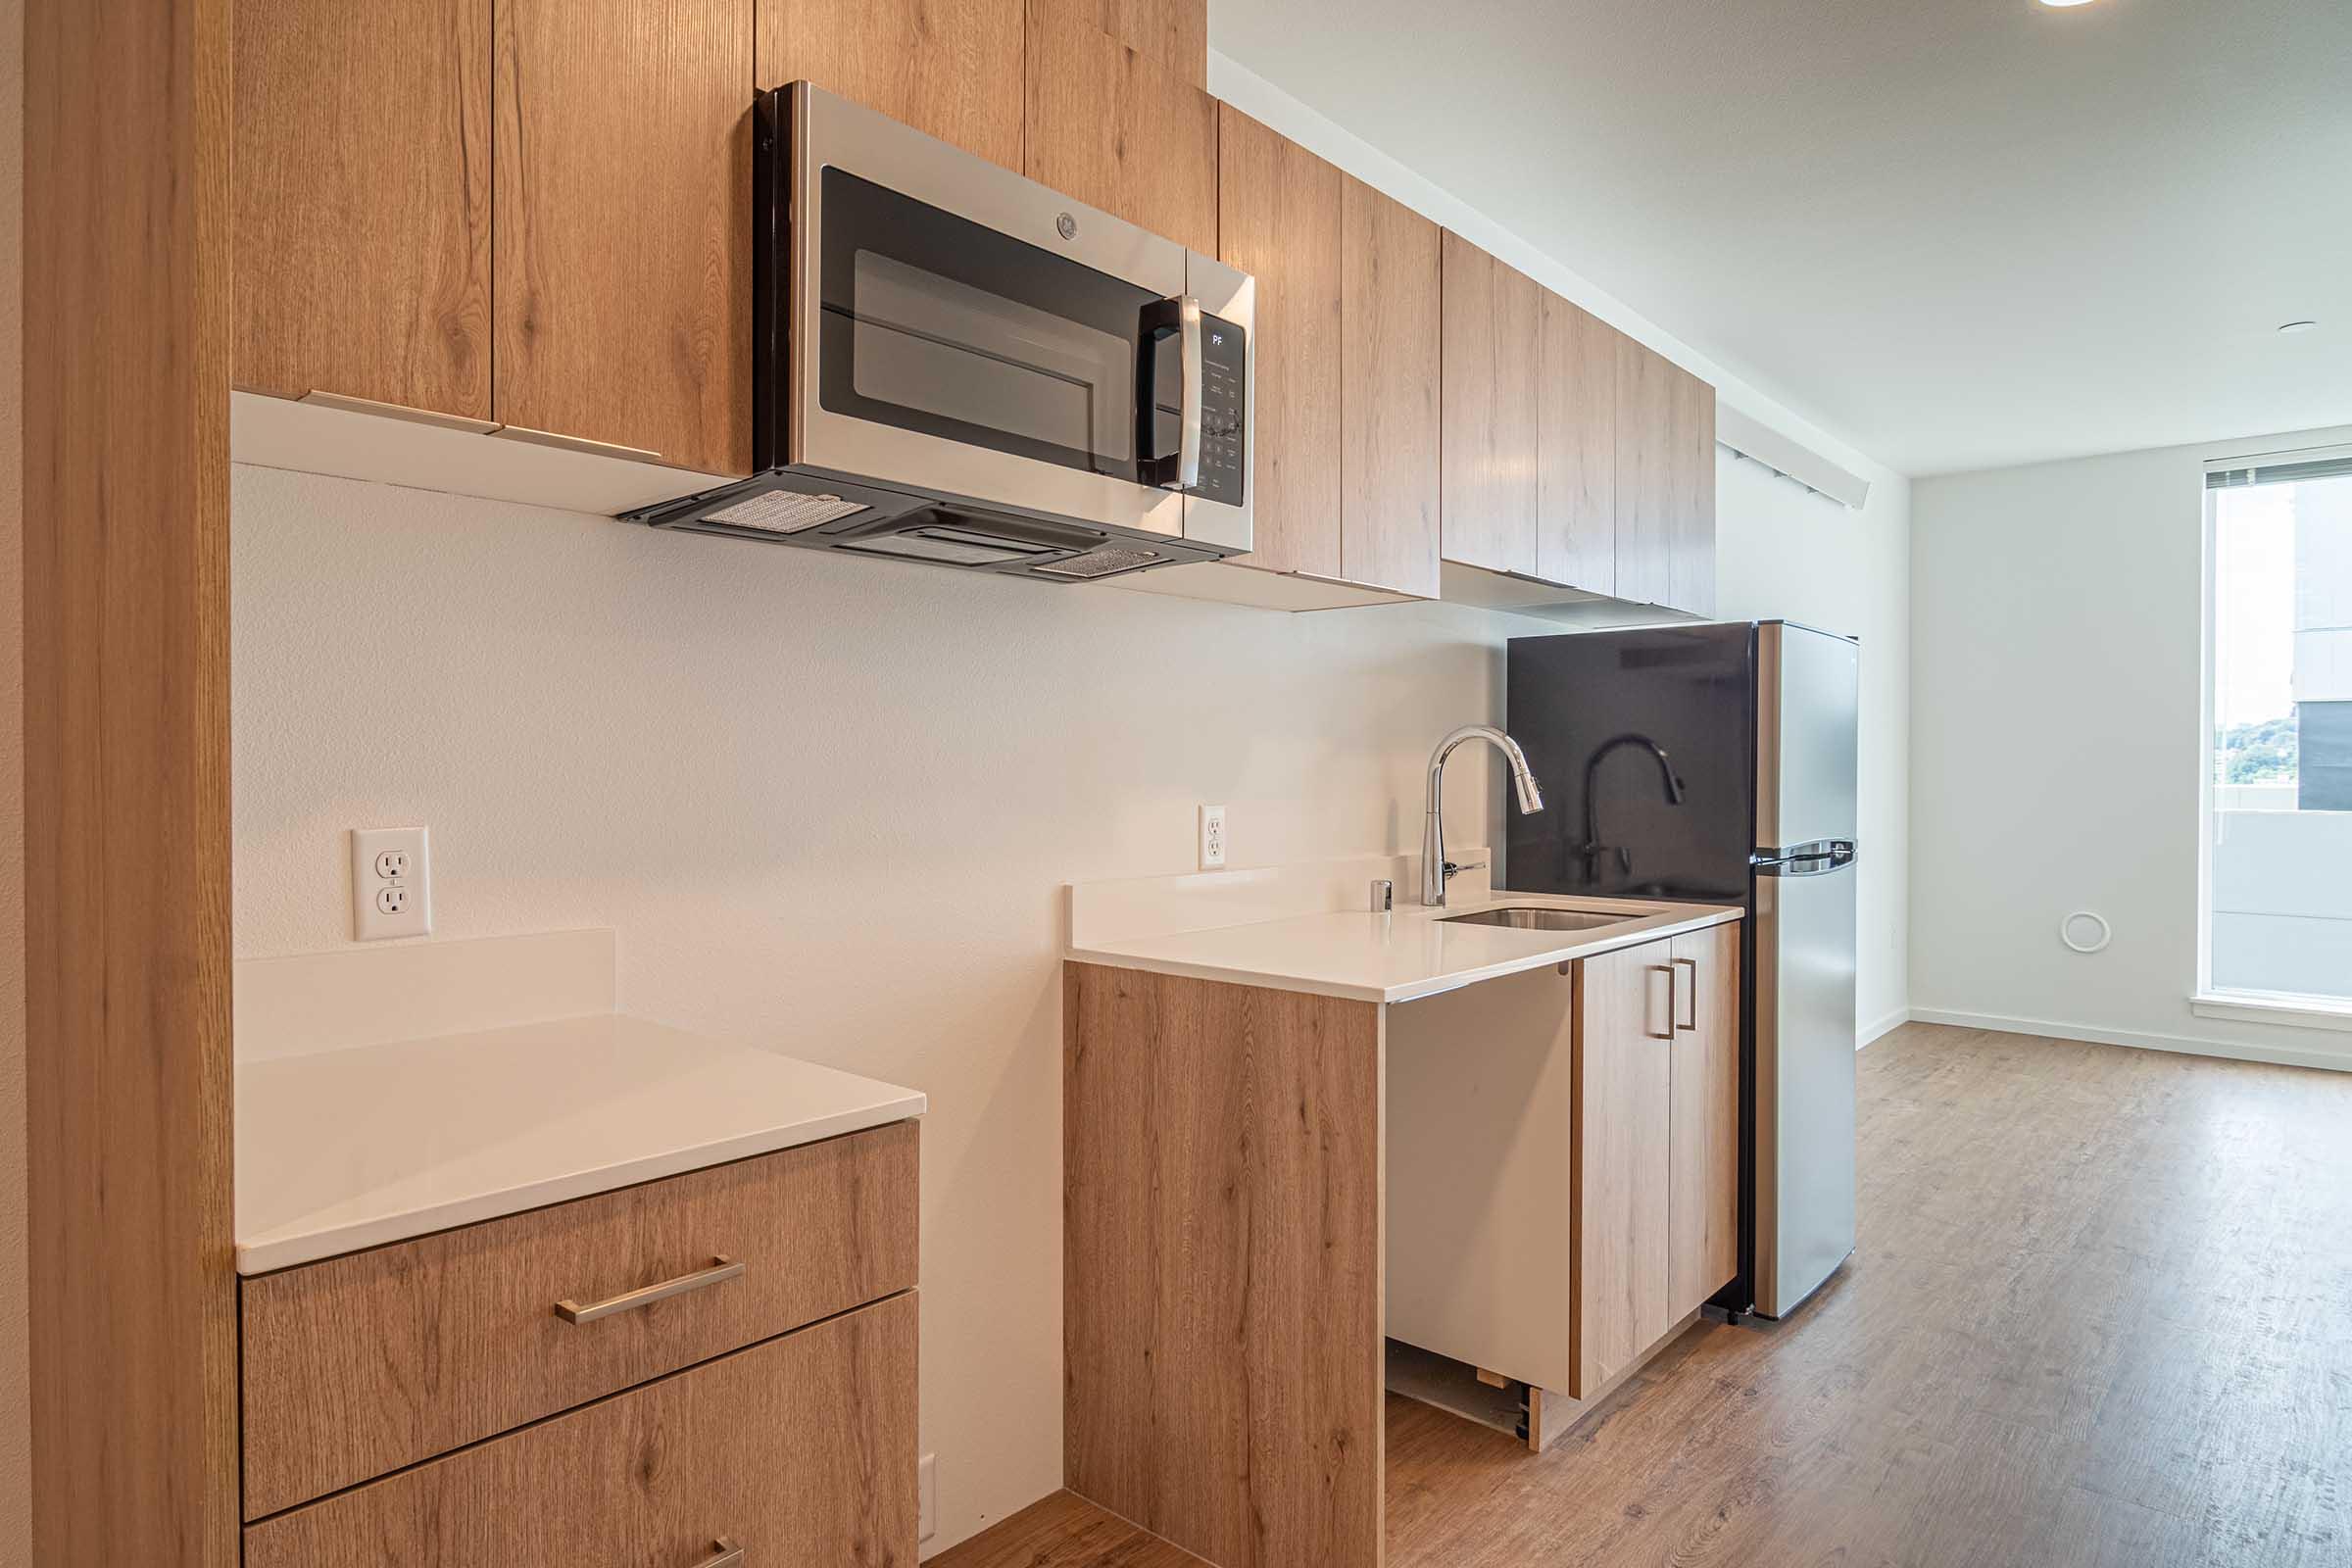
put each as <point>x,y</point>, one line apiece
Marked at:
<point>362,212</point>
<point>1690,552</point>
<point>1647,484</point>
<point>952,69</point>
<point>1389,351</point>
<point>1174,33</point>
<point>1703,1194</point>
<point>1576,451</point>
<point>1278,220</point>
<point>622,252</point>
<point>1115,129</point>
<point>1488,401</point>
<point>1623,1161</point>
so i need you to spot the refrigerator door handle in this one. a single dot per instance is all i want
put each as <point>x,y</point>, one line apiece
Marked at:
<point>1818,857</point>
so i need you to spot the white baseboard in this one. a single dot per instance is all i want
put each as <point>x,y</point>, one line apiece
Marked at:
<point>1885,1026</point>
<point>2179,1045</point>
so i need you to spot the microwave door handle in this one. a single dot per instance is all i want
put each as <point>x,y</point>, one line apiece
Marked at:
<point>1188,431</point>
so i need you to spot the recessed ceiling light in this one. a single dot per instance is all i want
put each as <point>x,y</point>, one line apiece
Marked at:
<point>2061,5</point>
<point>2298,326</point>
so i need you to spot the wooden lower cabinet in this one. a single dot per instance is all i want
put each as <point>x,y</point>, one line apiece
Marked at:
<point>1621,1234</point>
<point>800,1450</point>
<point>1563,1161</point>
<point>355,1367</point>
<point>1703,1196</point>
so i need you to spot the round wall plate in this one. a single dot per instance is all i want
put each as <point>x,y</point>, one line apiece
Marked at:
<point>2085,932</point>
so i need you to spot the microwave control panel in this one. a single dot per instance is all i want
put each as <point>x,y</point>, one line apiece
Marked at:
<point>1224,411</point>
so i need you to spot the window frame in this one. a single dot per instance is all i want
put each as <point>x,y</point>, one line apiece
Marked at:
<point>2298,1009</point>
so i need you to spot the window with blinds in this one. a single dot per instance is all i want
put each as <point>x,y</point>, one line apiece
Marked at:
<point>2279,674</point>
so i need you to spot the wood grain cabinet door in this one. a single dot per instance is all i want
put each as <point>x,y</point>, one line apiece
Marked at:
<point>1623,1048</point>
<point>1493,347</point>
<point>1174,33</point>
<point>1645,474</point>
<point>622,253</point>
<point>1691,554</point>
<point>1118,130</point>
<point>1278,220</point>
<point>1576,455</point>
<point>362,201</point>
<point>801,1451</point>
<point>1703,1202</point>
<point>952,69</point>
<point>1389,353</point>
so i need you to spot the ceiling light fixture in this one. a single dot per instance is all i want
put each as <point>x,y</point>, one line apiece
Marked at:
<point>2062,5</point>
<point>2298,326</point>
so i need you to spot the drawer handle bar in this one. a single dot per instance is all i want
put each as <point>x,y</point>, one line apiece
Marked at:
<point>721,1270</point>
<point>1666,969</point>
<point>730,1555</point>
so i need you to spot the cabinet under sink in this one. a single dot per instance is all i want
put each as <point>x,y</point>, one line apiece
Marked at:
<point>1562,1162</point>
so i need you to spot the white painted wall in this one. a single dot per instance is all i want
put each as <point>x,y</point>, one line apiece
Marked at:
<point>2056,752</point>
<point>1784,552</point>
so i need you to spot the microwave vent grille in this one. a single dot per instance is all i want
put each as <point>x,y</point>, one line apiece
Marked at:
<point>786,511</point>
<point>1101,561</point>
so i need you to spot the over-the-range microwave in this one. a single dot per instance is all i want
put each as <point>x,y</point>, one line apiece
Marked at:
<point>955,364</point>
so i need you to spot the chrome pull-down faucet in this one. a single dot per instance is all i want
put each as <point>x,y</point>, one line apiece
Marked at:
<point>1435,867</point>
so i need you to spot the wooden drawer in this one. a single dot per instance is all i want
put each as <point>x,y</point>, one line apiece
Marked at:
<point>361,1364</point>
<point>800,1450</point>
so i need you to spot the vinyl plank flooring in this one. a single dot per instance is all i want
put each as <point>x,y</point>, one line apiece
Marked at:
<point>2100,1317</point>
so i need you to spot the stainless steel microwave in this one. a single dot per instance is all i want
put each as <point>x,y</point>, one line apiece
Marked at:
<point>953,364</point>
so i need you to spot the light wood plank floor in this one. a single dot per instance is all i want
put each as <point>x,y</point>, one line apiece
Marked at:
<point>2101,1317</point>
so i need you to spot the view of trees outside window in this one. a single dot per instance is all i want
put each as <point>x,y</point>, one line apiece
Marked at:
<point>2281,744</point>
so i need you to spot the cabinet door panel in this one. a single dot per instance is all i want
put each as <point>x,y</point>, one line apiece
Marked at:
<point>1576,472</point>
<point>801,1451</point>
<point>1645,478</point>
<point>1491,349</point>
<point>1174,33</point>
<point>1704,1201</point>
<point>951,69</point>
<point>1116,129</point>
<point>1279,220</point>
<point>623,255</point>
<point>363,216</point>
<point>1690,555</point>
<point>1389,358</point>
<point>1623,1166</point>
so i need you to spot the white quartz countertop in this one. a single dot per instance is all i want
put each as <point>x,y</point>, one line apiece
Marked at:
<point>352,1147</point>
<point>1409,952</point>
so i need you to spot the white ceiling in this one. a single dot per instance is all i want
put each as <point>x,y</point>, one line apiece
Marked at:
<point>1959,233</point>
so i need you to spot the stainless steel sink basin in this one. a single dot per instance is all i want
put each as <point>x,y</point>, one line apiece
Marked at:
<point>1527,918</point>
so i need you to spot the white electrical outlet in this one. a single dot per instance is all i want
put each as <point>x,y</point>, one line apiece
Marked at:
<point>1212,837</point>
<point>926,1480</point>
<point>391,883</point>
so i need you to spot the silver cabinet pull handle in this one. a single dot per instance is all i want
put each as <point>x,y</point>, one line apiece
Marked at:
<point>1693,965</point>
<point>721,1270</point>
<point>730,1555</point>
<point>1667,1033</point>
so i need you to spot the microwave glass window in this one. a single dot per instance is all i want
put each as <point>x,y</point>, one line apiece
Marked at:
<point>929,344</point>
<point>933,323</point>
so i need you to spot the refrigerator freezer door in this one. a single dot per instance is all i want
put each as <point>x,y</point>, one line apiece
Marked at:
<point>1806,697</point>
<point>1805,1126</point>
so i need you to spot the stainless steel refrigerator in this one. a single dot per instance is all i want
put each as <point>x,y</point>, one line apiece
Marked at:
<point>1717,763</point>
